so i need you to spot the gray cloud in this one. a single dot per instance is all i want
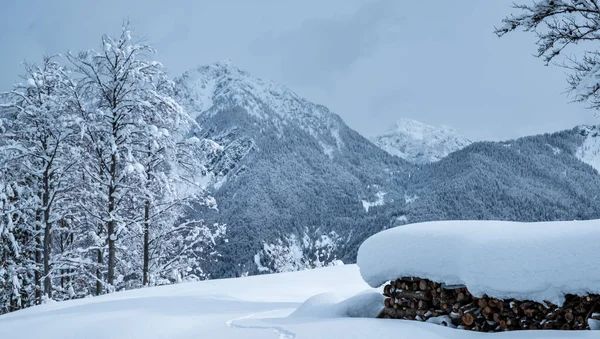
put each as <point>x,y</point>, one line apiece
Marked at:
<point>371,61</point>
<point>320,48</point>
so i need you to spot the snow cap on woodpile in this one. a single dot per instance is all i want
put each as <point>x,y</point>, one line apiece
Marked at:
<point>526,261</point>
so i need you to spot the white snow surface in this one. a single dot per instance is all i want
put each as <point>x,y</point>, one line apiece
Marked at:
<point>268,306</point>
<point>528,261</point>
<point>420,143</point>
<point>589,151</point>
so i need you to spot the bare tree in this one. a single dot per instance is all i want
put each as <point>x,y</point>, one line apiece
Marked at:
<point>41,128</point>
<point>113,89</point>
<point>559,25</point>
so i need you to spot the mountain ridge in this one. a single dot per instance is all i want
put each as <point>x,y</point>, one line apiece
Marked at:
<point>222,85</point>
<point>295,183</point>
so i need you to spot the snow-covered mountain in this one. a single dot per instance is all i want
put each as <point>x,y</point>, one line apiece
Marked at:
<point>299,188</point>
<point>290,173</point>
<point>420,143</point>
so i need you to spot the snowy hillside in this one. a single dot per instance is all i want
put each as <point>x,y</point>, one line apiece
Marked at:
<point>589,151</point>
<point>420,143</point>
<point>536,178</point>
<point>323,303</point>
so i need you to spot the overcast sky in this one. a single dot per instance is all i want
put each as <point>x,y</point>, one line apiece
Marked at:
<point>370,61</point>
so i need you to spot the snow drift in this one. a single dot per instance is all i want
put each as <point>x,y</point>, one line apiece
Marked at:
<point>527,261</point>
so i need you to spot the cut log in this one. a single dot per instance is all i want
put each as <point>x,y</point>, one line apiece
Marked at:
<point>386,290</point>
<point>468,319</point>
<point>548,325</point>
<point>421,299</point>
<point>510,322</point>
<point>388,302</point>
<point>418,295</point>
<point>404,313</point>
<point>569,317</point>
<point>565,327</point>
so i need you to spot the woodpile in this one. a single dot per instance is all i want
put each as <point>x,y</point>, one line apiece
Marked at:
<point>454,306</point>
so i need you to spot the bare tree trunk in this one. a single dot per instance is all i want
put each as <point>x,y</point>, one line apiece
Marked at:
<point>65,241</point>
<point>47,233</point>
<point>66,278</point>
<point>146,242</point>
<point>111,221</point>
<point>100,252</point>
<point>100,262</point>
<point>146,266</point>
<point>38,257</point>
<point>112,190</point>
<point>63,246</point>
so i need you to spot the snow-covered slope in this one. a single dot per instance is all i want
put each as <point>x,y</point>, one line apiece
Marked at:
<point>527,261</point>
<point>301,305</point>
<point>589,151</point>
<point>420,143</point>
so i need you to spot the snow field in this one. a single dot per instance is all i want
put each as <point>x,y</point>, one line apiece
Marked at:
<point>318,303</point>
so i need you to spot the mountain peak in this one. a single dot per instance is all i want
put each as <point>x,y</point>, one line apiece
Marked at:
<point>420,143</point>
<point>417,129</point>
<point>225,63</point>
<point>210,90</point>
<point>220,69</point>
<point>223,85</point>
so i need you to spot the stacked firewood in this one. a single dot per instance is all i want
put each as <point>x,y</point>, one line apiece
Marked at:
<point>454,306</point>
